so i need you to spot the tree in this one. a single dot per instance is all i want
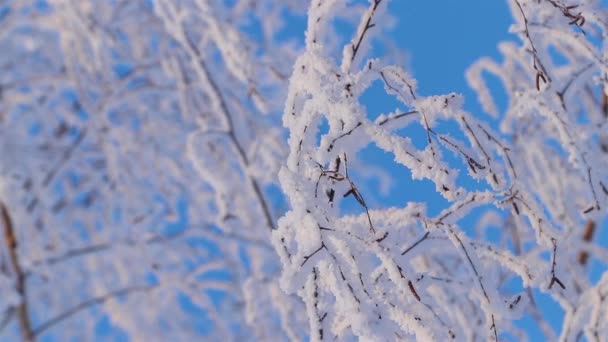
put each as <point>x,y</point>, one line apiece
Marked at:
<point>140,147</point>
<point>139,139</point>
<point>541,177</point>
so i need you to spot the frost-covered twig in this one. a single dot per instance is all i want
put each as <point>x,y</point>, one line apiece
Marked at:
<point>415,271</point>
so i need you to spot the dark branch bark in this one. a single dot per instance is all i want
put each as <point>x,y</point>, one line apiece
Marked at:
<point>356,43</point>
<point>583,256</point>
<point>20,283</point>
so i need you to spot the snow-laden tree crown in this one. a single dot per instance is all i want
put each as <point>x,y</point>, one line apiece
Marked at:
<point>149,192</point>
<point>541,175</point>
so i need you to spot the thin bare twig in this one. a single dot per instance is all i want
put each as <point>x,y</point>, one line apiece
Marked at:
<point>356,43</point>
<point>541,74</point>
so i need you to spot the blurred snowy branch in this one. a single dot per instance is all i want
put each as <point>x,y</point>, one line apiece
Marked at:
<point>138,141</point>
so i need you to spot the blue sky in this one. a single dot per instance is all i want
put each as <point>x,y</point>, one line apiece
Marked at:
<point>443,38</point>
